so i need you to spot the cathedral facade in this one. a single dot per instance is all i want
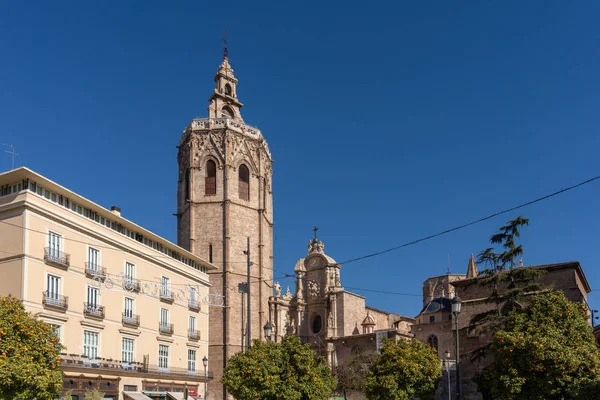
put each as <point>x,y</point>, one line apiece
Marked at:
<point>335,322</point>
<point>225,215</point>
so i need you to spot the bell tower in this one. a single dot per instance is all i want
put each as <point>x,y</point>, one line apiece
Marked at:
<point>224,199</point>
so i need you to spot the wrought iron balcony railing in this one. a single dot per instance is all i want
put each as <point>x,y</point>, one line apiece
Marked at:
<point>131,284</point>
<point>165,328</point>
<point>95,270</point>
<point>55,300</point>
<point>166,295</point>
<point>93,310</point>
<point>194,334</point>
<point>56,257</point>
<point>130,319</point>
<point>194,305</point>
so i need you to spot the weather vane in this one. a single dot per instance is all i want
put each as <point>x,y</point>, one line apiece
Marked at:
<point>225,51</point>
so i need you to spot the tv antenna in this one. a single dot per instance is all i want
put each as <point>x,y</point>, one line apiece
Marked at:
<point>12,152</point>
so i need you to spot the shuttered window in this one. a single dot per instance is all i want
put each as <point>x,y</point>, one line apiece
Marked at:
<point>244,182</point>
<point>210,182</point>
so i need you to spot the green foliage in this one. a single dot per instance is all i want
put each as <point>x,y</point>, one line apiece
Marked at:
<point>506,238</point>
<point>278,371</point>
<point>352,374</point>
<point>29,355</point>
<point>93,394</point>
<point>402,371</point>
<point>545,351</point>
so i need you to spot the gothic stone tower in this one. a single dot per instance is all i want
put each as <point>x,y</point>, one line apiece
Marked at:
<point>224,197</point>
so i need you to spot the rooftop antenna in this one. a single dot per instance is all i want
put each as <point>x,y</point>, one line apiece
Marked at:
<point>12,151</point>
<point>448,273</point>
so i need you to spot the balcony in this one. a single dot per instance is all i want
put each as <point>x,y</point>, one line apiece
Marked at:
<point>131,284</point>
<point>93,310</point>
<point>166,295</point>
<point>55,257</point>
<point>194,305</point>
<point>194,334</point>
<point>165,328</point>
<point>130,319</point>
<point>55,301</point>
<point>76,363</point>
<point>95,271</point>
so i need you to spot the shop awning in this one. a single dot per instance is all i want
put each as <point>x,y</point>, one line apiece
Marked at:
<point>178,396</point>
<point>135,396</point>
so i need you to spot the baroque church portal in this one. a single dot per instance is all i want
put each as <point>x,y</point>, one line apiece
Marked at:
<point>224,200</point>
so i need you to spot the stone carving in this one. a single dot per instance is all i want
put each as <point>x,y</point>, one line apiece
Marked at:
<point>288,293</point>
<point>313,288</point>
<point>337,278</point>
<point>316,246</point>
<point>277,287</point>
<point>330,320</point>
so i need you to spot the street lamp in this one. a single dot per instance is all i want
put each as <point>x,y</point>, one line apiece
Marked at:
<point>268,330</point>
<point>447,354</point>
<point>205,363</point>
<point>456,305</point>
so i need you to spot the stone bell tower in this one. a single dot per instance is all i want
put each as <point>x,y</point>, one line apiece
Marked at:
<point>224,197</point>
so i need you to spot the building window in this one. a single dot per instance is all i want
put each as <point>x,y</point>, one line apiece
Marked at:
<point>433,341</point>
<point>244,182</point>
<point>53,288</point>
<point>210,182</point>
<point>317,324</point>
<point>93,259</point>
<point>54,244</point>
<point>187,184</point>
<point>431,319</point>
<point>210,253</point>
<point>164,317</point>
<point>191,360</point>
<point>129,274</point>
<point>127,350</point>
<point>192,324</point>
<point>163,357</point>
<point>130,388</point>
<point>92,299</point>
<point>165,287</point>
<point>128,311</point>
<point>90,344</point>
<point>228,89</point>
<point>56,329</point>
<point>227,112</point>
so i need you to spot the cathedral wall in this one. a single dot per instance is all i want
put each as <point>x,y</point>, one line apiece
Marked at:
<point>208,230</point>
<point>381,318</point>
<point>199,183</point>
<point>444,333</point>
<point>352,315</point>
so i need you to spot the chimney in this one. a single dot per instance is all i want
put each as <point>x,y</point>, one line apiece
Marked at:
<point>115,210</point>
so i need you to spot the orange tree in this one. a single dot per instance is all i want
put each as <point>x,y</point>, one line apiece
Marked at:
<point>29,355</point>
<point>278,371</point>
<point>544,351</point>
<point>404,370</point>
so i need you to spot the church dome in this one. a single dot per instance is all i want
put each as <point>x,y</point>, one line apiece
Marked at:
<point>436,305</point>
<point>300,266</point>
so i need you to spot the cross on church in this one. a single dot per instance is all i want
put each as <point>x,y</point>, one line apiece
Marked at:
<point>315,229</point>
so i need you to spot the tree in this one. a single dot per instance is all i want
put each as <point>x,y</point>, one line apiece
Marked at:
<point>29,355</point>
<point>93,394</point>
<point>402,371</point>
<point>352,374</point>
<point>278,371</point>
<point>545,351</point>
<point>506,237</point>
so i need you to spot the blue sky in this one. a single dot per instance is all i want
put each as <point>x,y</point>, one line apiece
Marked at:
<point>388,121</point>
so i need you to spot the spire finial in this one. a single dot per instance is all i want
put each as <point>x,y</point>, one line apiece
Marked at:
<point>472,268</point>
<point>315,229</point>
<point>448,272</point>
<point>521,262</point>
<point>225,50</point>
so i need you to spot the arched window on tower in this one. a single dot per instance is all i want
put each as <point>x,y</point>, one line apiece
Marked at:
<point>187,184</point>
<point>228,89</point>
<point>210,253</point>
<point>227,112</point>
<point>433,342</point>
<point>210,182</point>
<point>244,182</point>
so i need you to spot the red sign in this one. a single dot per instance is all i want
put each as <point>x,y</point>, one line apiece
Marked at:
<point>192,392</point>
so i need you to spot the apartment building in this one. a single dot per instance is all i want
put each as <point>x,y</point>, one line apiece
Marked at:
<point>130,307</point>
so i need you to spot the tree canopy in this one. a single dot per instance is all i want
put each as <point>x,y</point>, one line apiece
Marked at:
<point>545,351</point>
<point>29,355</point>
<point>351,375</point>
<point>402,371</point>
<point>278,371</point>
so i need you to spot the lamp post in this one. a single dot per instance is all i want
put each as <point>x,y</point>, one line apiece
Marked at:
<point>447,354</point>
<point>268,330</point>
<point>205,363</point>
<point>456,305</point>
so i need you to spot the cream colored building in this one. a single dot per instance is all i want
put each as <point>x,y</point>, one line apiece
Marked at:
<point>130,307</point>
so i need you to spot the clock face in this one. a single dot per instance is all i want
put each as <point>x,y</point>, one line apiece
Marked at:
<point>313,262</point>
